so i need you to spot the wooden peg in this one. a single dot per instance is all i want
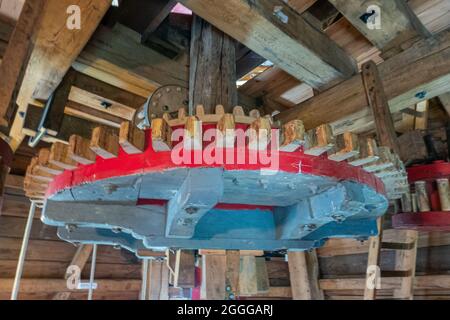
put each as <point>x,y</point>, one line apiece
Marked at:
<point>226,126</point>
<point>347,146</point>
<point>59,156</point>
<point>240,117</point>
<point>80,151</point>
<point>255,113</point>
<point>44,162</point>
<point>422,196</point>
<point>259,135</point>
<point>293,136</point>
<point>238,111</point>
<point>34,172</point>
<point>220,110</point>
<point>385,161</point>
<point>105,143</point>
<point>444,193</point>
<point>368,152</point>
<point>200,111</point>
<point>131,138</point>
<point>193,134</point>
<point>319,140</point>
<point>161,135</point>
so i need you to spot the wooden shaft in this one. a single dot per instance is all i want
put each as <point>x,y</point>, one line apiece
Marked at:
<point>422,196</point>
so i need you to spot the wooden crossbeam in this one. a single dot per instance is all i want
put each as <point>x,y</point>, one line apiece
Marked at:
<point>55,50</point>
<point>420,72</point>
<point>278,33</point>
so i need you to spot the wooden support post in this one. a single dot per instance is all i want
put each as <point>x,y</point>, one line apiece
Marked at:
<point>213,277</point>
<point>233,259</point>
<point>304,275</point>
<point>17,53</point>
<point>378,102</point>
<point>213,68</point>
<point>184,269</point>
<point>158,281</point>
<point>373,261</point>
<point>405,260</point>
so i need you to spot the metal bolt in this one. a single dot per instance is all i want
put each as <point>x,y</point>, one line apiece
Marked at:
<point>191,210</point>
<point>116,230</point>
<point>309,227</point>
<point>70,228</point>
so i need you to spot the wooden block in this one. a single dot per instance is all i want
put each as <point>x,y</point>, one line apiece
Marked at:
<point>105,143</point>
<point>199,111</point>
<point>80,151</point>
<point>240,117</point>
<point>347,146</point>
<point>161,135</point>
<point>368,152</point>
<point>226,126</point>
<point>444,193</point>
<point>184,269</point>
<point>385,161</point>
<point>131,138</point>
<point>293,136</point>
<point>319,140</point>
<point>44,162</point>
<point>248,284</point>
<point>254,113</point>
<point>193,134</point>
<point>36,174</point>
<point>262,276</point>
<point>422,196</point>
<point>220,110</point>
<point>59,156</point>
<point>259,134</point>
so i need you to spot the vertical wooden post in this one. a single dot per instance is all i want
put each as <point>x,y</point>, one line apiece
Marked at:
<point>213,276</point>
<point>232,274</point>
<point>373,262</point>
<point>376,97</point>
<point>158,281</point>
<point>212,78</point>
<point>304,275</point>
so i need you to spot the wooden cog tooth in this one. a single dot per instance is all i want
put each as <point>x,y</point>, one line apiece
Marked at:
<point>293,136</point>
<point>260,132</point>
<point>368,152</point>
<point>131,139</point>
<point>44,162</point>
<point>319,140</point>
<point>226,126</point>
<point>161,135</point>
<point>347,146</point>
<point>193,134</point>
<point>80,151</point>
<point>59,156</point>
<point>105,142</point>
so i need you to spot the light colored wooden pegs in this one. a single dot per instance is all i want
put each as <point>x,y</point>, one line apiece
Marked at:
<point>422,196</point>
<point>34,172</point>
<point>131,138</point>
<point>347,146</point>
<point>59,156</point>
<point>293,136</point>
<point>319,140</point>
<point>240,117</point>
<point>444,193</point>
<point>406,202</point>
<point>384,162</point>
<point>199,111</point>
<point>44,163</point>
<point>80,151</point>
<point>182,114</point>
<point>368,152</point>
<point>161,135</point>
<point>259,134</point>
<point>254,113</point>
<point>226,130</point>
<point>193,134</point>
<point>220,110</point>
<point>105,142</point>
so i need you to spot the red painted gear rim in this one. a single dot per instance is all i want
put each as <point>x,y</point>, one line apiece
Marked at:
<point>151,161</point>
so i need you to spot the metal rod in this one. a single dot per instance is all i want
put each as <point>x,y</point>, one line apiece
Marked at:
<point>91,277</point>
<point>23,251</point>
<point>145,263</point>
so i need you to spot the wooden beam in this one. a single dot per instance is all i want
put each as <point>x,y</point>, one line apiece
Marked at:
<point>378,103</point>
<point>405,260</point>
<point>17,54</point>
<point>184,269</point>
<point>398,22</point>
<point>300,5</point>
<point>233,261</point>
<point>278,33</point>
<point>420,72</point>
<point>157,281</point>
<point>161,13</point>
<point>55,49</point>
<point>304,275</point>
<point>57,285</point>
